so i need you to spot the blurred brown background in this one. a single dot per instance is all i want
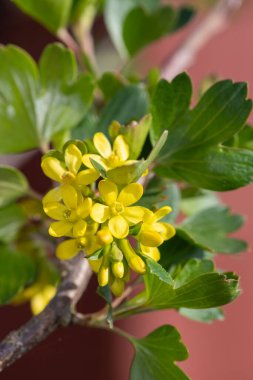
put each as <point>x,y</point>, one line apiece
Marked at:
<point>221,351</point>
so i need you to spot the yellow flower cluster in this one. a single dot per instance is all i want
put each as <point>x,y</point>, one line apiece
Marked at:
<point>99,220</point>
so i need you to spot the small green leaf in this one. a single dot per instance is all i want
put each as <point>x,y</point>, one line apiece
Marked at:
<point>13,185</point>
<point>156,355</point>
<point>53,14</point>
<point>157,270</point>
<point>17,270</point>
<point>208,229</point>
<point>156,24</point>
<point>128,104</point>
<point>12,219</point>
<point>203,315</point>
<point>99,168</point>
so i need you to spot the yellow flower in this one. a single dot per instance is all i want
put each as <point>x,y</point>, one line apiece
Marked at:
<point>116,210</point>
<point>152,232</point>
<point>69,208</point>
<point>67,172</point>
<point>109,157</point>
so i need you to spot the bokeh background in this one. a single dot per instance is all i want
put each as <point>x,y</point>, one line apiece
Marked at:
<point>221,351</point>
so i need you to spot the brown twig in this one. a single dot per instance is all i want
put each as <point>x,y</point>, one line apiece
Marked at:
<point>76,274</point>
<point>214,23</point>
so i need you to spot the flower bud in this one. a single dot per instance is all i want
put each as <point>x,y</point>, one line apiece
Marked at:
<point>134,261</point>
<point>104,236</point>
<point>117,287</point>
<point>118,269</point>
<point>103,275</point>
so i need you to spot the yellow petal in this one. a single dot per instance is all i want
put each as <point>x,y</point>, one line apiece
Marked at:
<point>102,144</point>
<point>168,230</point>
<point>53,195</point>
<point>108,191</point>
<point>79,228</point>
<point>130,194</point>
<point>67,249</point>
<point>134,214</point>
<point>69,196</point>
<point>99,213</point>
<point>152,252</point>
<point>151,238</point>
<point>118,227</point>
<point>53,168</point>
<point>87,177</point>
<point>59,229</point>
<point>159,214</point>
<point>148,216</point>
<point>95,157</point>
<point>84,208</point>
<point>73,158</point>
<point>55,210</point>
<point>121,148</point>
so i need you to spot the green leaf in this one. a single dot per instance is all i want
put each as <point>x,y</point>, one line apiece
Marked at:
<point>53,14</point>
<point>17,270</point>
<point>196,286</point>
<point>170,104</point>
<point>130,103</point>
<point>12,219</point>
<point>115,13</point>
<point>193,152</point>
<point>156,24</point>
<point>203,315</point>
<point>220,113</point>
<point>39,103</point>
<point>13,185</point>
<point>156,355</point>
<point>157,270</point>
<point>217,168</point>
<point>208,229</point>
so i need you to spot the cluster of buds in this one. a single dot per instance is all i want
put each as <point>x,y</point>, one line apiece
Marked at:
<point>98,215</point>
